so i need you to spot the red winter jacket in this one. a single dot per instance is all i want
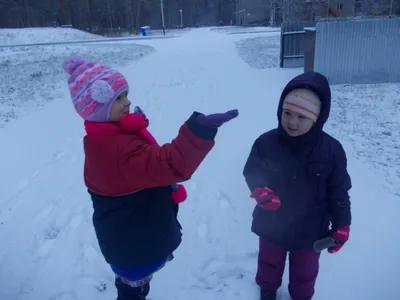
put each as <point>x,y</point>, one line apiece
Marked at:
<point>129,178</point>
<point>119,160</point>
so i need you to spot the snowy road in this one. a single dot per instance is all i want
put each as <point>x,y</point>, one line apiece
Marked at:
<point>48,250</point>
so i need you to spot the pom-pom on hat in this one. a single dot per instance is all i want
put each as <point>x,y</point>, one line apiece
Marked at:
<point>93,87</point>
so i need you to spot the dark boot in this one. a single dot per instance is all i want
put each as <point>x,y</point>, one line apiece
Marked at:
<point>126,292</point>
<point>268,295</point>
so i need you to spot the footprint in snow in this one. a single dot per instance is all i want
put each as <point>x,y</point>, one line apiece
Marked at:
<point>218,273</point>
<point>23,184</point>
<point>64,296</point>
<point>43,214</point>
<point>44,250</point>
<point>76,221</point>
<point>202,230</point>
<point>37,172</point>
<point>90,282</point>
<point>59,154</point>
<point>224,199</point>
<point>89,252</point>
<point>52,233</point>
<point>224,278</point>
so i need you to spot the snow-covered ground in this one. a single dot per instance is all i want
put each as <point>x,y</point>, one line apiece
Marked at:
<point>48,250</point>
<point>260,52</point>
<point>16,36</point>
<point>30,76</point>
<point>368,117</point>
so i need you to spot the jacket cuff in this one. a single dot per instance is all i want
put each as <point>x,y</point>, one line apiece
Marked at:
<point>204,132</point>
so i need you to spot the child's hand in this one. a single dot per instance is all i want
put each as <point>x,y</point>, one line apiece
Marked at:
<point>139,111</point>
<point>266,198</point>
<point>217,120</point>
<point>341,236</point>
<point>132,123</point>
<point>179,193</point>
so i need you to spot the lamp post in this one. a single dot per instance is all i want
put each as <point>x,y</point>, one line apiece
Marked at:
<point>162,15</point>
<point>181,13</point>
<point>391,8</point>
<point>327,9</point>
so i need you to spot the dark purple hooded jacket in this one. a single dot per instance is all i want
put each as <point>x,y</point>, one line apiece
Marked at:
<point>308,173</point>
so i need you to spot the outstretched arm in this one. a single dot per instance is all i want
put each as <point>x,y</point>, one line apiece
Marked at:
<point>173,162</point>
<point>170,163</point>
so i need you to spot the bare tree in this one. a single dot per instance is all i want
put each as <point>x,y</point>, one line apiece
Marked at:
<point>138,7</point>
<point>128,14</point>
<point>88,15</point>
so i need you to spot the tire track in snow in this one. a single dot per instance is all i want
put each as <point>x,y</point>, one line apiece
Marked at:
<point>46,218</point>
<point>12,204</point>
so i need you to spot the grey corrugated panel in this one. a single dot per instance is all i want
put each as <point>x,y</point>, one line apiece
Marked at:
<point>294,63</point>
<point>359,51</point>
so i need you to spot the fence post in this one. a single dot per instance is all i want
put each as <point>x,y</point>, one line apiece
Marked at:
<point>282,48</point>
<point>309,49</point>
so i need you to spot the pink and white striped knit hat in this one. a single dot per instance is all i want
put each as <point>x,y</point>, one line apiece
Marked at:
<point>304,102</point>
<point>93,87</point>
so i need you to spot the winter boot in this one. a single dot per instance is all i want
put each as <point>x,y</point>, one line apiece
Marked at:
<point>268,295</point>
<point>127,292</point>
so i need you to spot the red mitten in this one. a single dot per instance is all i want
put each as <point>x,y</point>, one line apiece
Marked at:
<point>140,112</point>
<point>341,236</point>
<point>132,123</point>
<point>179,193</point>
<point>266,198</point>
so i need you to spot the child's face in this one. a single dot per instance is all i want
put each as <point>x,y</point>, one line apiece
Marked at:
<point>295,124</point>
<point>120,107</point>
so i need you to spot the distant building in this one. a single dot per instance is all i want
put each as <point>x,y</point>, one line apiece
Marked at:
<point>377,7</point>
<point>332,8</point>
<point>273,12</point>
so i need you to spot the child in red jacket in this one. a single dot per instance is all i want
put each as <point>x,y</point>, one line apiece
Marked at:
<point>131,179</point>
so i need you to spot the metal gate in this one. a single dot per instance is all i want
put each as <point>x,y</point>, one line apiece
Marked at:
<point>292,43</point>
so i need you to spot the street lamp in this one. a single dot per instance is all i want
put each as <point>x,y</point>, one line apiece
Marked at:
<point>327,9</point>
<point>162,15</point>
<point>181,12</point>
<point>391,8</point>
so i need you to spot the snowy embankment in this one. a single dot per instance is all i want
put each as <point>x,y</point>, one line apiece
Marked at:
<point>66,36</point>
<point>31,76</point>
<point>260,52</point>
<point>11,36</point>
<point>367,115</point>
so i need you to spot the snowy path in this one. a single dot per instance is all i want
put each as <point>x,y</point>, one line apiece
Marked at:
<point>48,250</point>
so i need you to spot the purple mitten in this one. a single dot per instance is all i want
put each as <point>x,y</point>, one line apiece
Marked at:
<point>216,120</point>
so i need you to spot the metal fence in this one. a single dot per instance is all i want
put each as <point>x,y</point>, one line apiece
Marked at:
<point>293,33</point>
<point>292,43</point>
<point>359,51</point>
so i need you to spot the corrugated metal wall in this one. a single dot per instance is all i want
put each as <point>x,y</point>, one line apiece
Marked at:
<point>359,51</point>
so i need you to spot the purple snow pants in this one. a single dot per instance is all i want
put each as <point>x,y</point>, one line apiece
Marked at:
<point>303,270</point>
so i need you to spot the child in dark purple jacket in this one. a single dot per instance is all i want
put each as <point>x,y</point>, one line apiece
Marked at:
<point>298,175</point>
